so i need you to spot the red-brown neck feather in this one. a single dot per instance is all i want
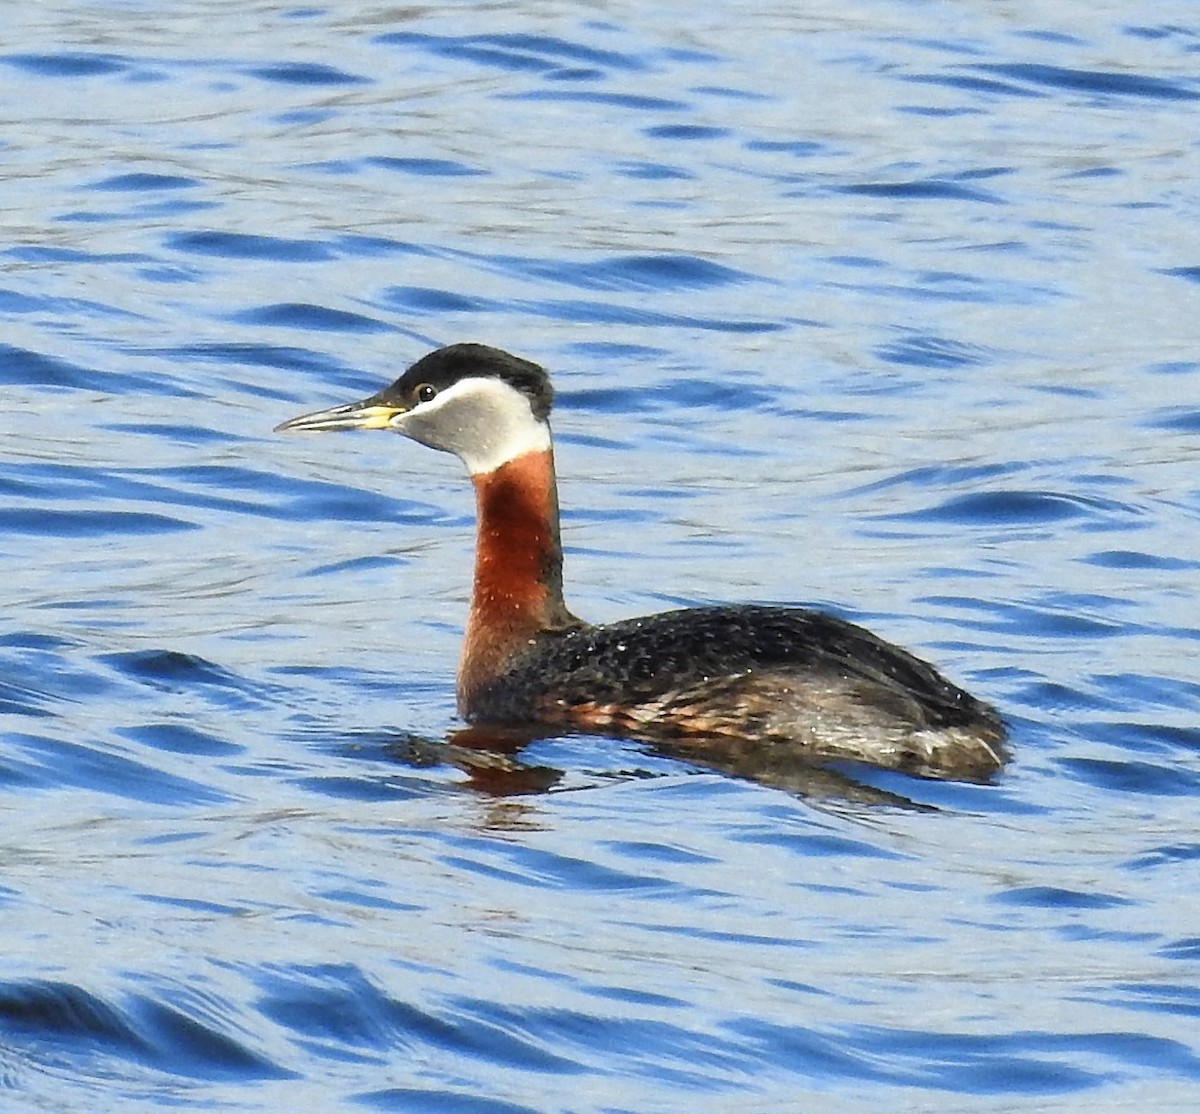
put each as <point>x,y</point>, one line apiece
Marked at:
<point>518,570</point>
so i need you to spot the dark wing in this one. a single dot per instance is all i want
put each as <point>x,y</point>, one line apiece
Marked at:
<point>639,659</point>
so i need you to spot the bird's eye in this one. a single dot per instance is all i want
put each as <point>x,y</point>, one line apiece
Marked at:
<point>426,392</point>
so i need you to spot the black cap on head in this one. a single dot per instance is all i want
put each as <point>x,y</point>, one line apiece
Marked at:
<point>448,365</point>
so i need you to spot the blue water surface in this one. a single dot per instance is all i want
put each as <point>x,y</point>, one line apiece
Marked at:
<point>891,309</point>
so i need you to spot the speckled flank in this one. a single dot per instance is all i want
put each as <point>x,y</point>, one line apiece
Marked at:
<point>772,677</point>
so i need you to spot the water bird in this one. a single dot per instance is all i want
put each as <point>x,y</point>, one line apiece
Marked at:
<point>786,680</point>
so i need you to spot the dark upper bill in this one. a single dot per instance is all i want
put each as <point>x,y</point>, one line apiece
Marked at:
<point>367,414</point>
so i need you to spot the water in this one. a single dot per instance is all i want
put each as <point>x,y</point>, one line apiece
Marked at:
<point>889,309</point>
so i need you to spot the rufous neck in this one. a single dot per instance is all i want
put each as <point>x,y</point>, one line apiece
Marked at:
<point>518,567</point>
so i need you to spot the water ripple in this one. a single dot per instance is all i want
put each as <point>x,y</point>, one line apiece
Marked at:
<point>303,315</point>
<point>1016,506</point>
<point>67,64</point>
<point>1103,82</point>
<point>515,51</point>
<point>634,272</point>
<point>88,524</point>
<point>56,1020</point>
<point>307,73</point>
<point>929,189</point>
<point>141,182</point>
<point>426,168</point>
<point>238,245</point>
<point>53,763</point>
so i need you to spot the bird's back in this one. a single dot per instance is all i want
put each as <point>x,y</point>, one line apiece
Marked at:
<point>777,675</point>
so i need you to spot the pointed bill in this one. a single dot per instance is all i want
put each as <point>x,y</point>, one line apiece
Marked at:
<point>367,414</point>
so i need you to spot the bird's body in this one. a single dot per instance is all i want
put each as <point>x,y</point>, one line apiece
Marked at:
<point>780,676</point>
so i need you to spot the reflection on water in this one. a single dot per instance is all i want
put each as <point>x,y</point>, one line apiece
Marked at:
<point>491,759</point>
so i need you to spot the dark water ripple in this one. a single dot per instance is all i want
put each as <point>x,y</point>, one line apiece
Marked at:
<point>539,53</point>
<point>71,1024</point>
<point>20,366</point>
<point>303,315</point>
<point>929,189</point>
<point>234,245</point>
<point>1105,83</point>
<point>144,183</point>
<point>634,272</point>
<point>425,168</point>
<point>67,64</point>
<point>307,73</point>
<point>889,316</point>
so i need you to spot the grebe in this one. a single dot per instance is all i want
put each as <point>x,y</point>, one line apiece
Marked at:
<point>783,677</point>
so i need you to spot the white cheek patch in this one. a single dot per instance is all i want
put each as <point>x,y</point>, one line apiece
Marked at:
<point>484,422</point>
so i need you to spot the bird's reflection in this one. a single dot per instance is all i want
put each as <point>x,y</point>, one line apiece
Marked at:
<point>491,759</point>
